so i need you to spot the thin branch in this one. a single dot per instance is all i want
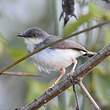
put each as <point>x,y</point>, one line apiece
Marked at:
<point>80,72</point>
<point>20,74</point>
<point>52,43</point>
<point>88,95</point>
<point>76,97</point>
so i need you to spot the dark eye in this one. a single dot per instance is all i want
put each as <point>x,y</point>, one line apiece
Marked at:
<point>33,35</point>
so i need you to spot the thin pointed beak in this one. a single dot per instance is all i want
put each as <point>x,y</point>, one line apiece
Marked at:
<point>20,35</point>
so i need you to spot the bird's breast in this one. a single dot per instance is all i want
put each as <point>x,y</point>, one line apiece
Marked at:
<point>55,59</point>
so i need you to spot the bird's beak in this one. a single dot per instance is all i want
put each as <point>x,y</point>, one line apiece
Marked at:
<point>20,35</point>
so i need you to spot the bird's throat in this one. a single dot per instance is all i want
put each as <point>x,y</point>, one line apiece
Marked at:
<point>31,43</point>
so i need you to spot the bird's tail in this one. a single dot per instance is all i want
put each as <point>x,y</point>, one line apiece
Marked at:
<point>90,54</point>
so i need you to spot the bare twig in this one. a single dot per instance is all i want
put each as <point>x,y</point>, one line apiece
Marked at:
<point>76,97</point>
<point>21,74</point>
<point>80,72</point>
<point>43,47</point>
<point>88,95</point>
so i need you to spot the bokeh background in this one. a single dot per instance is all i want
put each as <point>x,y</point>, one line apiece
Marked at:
<point>18,15</point>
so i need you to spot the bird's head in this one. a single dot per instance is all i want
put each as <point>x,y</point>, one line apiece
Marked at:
<point>33,35</point>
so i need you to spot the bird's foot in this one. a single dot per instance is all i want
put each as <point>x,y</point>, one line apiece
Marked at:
<point>51,86</point>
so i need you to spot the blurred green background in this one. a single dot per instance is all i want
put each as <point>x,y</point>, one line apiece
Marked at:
<point>18,15</point>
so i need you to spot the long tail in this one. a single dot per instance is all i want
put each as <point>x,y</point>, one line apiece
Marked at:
<point>90,54</point>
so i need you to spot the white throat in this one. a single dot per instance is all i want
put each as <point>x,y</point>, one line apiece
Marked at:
<point>31,43</point>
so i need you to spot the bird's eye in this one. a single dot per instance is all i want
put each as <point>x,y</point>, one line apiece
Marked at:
<point>32,35</point>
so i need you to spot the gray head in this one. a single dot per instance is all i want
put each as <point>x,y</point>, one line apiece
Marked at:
<point>34,35</point>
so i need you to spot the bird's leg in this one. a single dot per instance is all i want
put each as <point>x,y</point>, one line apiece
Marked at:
<point>62,72</point>
<point>75,63</point>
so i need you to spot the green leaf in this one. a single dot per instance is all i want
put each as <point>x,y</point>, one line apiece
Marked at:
<point>74,25</point>
<point>16,53</point>
<point>95,10</point>
<point>98,13</point>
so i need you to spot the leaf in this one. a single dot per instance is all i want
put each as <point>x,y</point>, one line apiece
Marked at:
<point>16,53</point>
<point>99,13</point>
<point>73,26</point>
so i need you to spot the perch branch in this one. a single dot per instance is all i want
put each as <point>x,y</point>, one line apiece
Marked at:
<point>79,74</point>
<point>52,43</point>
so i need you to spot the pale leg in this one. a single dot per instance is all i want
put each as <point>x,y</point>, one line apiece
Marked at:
<point>62,72</point>
<point>75,63</point>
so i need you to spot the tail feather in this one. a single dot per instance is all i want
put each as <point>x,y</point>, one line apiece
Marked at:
<point>90,54</point>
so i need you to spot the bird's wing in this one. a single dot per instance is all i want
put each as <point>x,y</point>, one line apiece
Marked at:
<point>67,44</point>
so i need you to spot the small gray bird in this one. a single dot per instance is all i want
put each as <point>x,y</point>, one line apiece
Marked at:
<point>57,57</point>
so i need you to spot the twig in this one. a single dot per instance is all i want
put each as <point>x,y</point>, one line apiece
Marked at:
<point>80,72</point>
<point>74,90</point>
<point>22,74</point>
<point>88,95</point>
<point>76,97</point>
<point>43,47</point>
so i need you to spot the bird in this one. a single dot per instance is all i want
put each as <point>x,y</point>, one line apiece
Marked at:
<point>57,57</point>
